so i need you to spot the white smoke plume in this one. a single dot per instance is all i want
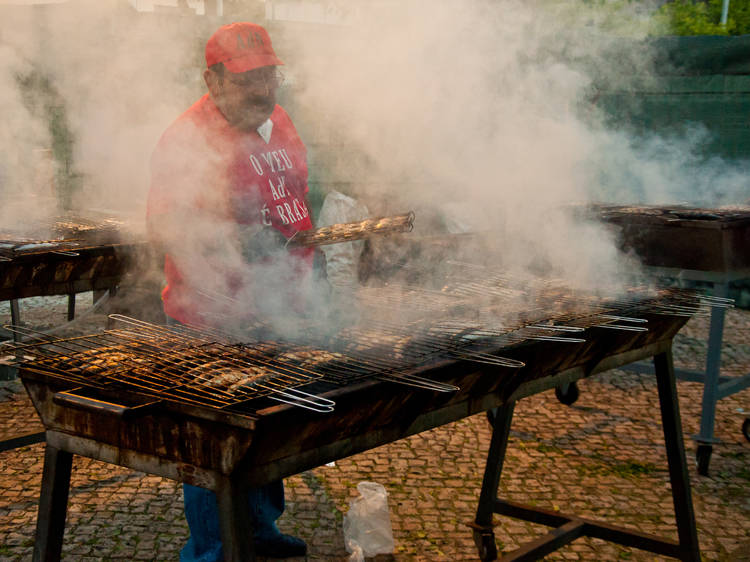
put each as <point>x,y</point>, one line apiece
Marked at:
<point>482,113</point>
<point>110,80</point>
<point>458,109</point>
<point>476,114</point>
<point>24,140</point>
<point>667,170</point>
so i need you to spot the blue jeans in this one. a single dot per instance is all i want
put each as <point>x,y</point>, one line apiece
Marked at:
<point>202,514</point>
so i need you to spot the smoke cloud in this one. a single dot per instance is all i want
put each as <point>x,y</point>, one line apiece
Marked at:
<point>24,160</point>
<point>461,111</point>
<point>89,86</point>
<point>667,169</point>
<point>476,114</point>
<point>483,113</point>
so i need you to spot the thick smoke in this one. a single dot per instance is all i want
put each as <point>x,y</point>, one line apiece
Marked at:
<point>667,169</point>
<point>476,114</point>
<point>26,166</point>
<point>89,86</point>
<point>460,110</point>
<point>482,113</point>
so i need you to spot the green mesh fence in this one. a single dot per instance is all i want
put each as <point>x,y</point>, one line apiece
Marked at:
<point>692,81</point>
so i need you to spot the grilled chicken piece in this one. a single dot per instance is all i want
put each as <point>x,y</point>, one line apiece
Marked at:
<point>222,378</point>
<point>308,357</point>
<point>225,375</point>
<point>250,376</point>
<point>102,359</point>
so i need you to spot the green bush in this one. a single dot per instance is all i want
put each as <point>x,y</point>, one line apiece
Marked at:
<point>637,18</point>
<point>702,17</point>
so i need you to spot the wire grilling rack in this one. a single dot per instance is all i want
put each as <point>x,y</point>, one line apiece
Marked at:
<point>473,320</point>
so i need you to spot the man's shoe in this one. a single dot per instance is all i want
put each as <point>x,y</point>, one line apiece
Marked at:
<point>281,546</point>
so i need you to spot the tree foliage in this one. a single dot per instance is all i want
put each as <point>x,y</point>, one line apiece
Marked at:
<point>701,17</point>
<point>654,17</point>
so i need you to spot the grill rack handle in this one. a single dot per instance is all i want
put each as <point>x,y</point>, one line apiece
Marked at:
<point>70,399</point>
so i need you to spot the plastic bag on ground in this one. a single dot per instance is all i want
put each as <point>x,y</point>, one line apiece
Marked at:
<point>367,524</point>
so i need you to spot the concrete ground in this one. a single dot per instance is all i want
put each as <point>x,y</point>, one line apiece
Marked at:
<point>601,458</point>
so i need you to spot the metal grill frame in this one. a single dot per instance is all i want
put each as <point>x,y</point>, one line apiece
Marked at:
<point>161,364</point>
<point>282,440</point>
<point>92,269</point>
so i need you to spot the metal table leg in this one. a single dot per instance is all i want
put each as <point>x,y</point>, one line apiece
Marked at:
<point>715,386</point>
<point>235,521</point>
<point>235,518</point>
<point>53,505</point>
<point>567,528</point>
<point>705,438</point>
<point>678,473</point>
<point>15,318</point>
<point>484,536</point>
<point>71,306</point>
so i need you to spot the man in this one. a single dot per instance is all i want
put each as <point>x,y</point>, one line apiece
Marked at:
<point>228,188</point>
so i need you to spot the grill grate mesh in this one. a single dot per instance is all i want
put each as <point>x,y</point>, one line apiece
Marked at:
<point>478,312</point>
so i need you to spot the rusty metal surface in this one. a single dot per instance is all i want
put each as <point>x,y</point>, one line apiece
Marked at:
<point>193,443</point>
<point>202,438</point>
<point>69,253</point>
<point>373,414</point>
<point>715,240</point>
<point>50,273</point>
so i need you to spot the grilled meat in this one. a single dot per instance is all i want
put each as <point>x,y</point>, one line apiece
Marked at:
<point>309,357</point>
<point>226,375</point>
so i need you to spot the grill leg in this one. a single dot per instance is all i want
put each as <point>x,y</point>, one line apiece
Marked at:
<point>71,306</point>
<point>484,537</point>
<point>15,318</point>
<point>678,473</point>
<point>711,382</point>
<point>235,523</point>
<point>53,504</point>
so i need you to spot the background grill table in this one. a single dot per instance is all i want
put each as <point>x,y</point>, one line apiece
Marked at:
<point>66,255</point>
<point>710,246</point>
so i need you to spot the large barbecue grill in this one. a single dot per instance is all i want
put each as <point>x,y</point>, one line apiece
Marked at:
<point>153,398</point>
<point>70,254</point>
<point>691,244</point>
<point>66,255</point>
<point>63,268</point>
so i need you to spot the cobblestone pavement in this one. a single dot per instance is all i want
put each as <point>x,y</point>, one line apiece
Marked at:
<point>603,457</point>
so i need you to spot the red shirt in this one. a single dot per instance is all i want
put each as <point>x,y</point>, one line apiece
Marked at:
<point>221,179</point>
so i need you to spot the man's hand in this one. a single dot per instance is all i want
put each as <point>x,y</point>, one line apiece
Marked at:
<point>258,242</point>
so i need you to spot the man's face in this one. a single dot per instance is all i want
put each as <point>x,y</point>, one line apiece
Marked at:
<point>246,99</point>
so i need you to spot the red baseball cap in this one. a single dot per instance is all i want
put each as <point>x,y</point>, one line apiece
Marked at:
<point>241,46</point>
